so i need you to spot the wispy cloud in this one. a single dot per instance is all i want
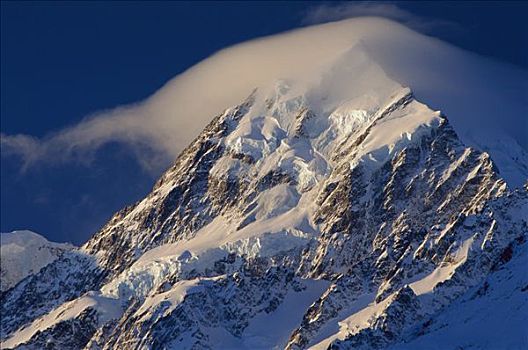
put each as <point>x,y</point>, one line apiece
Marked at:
<point>157,129</point>
<point>137,126</point>
<point>469,90</point>
<point>339,11</point>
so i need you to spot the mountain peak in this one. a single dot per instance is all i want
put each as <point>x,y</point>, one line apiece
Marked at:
<point>370,211</point>
<point>329,209</point>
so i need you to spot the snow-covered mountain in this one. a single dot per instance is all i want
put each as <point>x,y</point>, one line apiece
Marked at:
<point>305,216</point>
<point>23,253</point>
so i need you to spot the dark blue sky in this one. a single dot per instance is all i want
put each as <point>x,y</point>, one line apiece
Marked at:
<point>62,61</point>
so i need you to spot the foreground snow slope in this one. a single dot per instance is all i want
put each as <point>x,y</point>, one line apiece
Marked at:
<point>341,212</point>
<point>492,316</point>
<point>23,253</point>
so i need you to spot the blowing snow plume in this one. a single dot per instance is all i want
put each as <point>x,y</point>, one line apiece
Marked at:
<point>486,101</point>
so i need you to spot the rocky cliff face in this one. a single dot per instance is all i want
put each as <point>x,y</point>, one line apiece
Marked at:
<point>286,225</point>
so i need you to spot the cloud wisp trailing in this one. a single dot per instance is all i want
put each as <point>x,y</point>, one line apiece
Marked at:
<point>330,12</point>
<point>137,126</point>
<point>469,89</point>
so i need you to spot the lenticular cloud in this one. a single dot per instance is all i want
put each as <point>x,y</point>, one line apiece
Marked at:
<point>486,101</point>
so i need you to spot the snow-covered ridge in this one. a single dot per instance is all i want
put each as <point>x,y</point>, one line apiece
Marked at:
<point>106,308</point>
<point>23,253</point>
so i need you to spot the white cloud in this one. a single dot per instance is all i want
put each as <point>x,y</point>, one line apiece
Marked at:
<point>336,12</point>
<point>472,91</point>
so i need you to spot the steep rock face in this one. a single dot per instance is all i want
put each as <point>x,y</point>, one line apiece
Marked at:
<point>65,279</point>
<point>430,216</point>
<point>69,334</point>
<point>287,225</point>
<point>181,202</point>
<point>479,247</point>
